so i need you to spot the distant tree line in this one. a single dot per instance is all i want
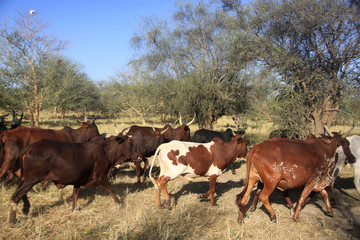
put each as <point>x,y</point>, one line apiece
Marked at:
<point>291,62</point>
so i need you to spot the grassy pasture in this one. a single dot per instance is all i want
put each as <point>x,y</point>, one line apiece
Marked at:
<point>98,217</point>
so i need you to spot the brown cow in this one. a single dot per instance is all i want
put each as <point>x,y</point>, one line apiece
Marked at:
<point>151,141</point>
<point>285,164</point>
<point>196,159</point>
<point>14,140</point>
<point>77,164</point>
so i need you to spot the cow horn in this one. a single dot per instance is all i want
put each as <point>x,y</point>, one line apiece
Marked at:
<point>163,131</point>
<point>351,129</point>
<point>173,124</point>
<point>192,121</point>
<point>116,129</point>
<point>125,131</point>
<point>180,119</point>
<point>328,131</point>
<point>93,120</point>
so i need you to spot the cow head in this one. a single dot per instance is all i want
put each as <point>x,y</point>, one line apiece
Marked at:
<point>118,149</point>
<point>181,133</point>
<point>87,131</point>
<point>241,145</point>
<point>342,142</point>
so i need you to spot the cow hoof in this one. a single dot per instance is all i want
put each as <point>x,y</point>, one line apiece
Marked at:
<point>12,219</point>
<point>214,205</point>
<point>273,219</point>
<point>240,220</point>
<point>203,196</point>
<point>25,211</point>
<point>295,219</point>
<point>329,214</point>
<point>252,209</point>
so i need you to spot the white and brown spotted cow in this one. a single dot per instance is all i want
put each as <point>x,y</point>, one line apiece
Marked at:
<point>196,159</point>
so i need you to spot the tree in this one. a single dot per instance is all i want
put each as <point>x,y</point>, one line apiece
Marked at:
<point>25,48</point>
<point>191,55</point>
<point>312,45</point>
<point>69,88</point>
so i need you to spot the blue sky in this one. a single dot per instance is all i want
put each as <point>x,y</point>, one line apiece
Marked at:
<point>98,31</point>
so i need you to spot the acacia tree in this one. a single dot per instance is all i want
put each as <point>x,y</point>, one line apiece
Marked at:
<point>69,88</point>
<point>312,45</point>
<point>192,53</point>
<point>25,48</point>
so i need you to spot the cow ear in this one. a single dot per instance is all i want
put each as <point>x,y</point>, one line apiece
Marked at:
<point>84,124</point>
<point>186,128</point>
<point>241,139</point>
<point>327,141</point>
<point>119,140</point>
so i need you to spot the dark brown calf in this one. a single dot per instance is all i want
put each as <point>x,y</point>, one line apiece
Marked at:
<point>77,164</point>
<point>13,141</point>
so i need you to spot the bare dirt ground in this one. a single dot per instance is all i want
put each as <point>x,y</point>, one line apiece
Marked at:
<point>97,216</point>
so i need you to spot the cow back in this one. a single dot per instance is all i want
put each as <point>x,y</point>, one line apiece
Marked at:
<point>64,163</point>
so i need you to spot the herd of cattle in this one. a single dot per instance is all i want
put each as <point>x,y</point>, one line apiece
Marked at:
<point>83,157</point>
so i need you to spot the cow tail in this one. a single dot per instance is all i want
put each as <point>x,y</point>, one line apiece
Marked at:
<point>248,165</point>
<point>151,167</point>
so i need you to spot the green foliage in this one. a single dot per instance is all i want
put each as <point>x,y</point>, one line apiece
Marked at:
<point>312,45</point>
<point>68,88</point>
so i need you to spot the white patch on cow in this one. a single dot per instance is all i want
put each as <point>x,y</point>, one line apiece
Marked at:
<point>213,170</point>
<point>327,174</point>
<point>167,167</point>
<point>355,150</point>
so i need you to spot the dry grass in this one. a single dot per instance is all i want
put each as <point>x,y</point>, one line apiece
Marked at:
<point>98,217</point>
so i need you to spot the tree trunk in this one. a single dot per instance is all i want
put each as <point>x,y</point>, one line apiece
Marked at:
<point>31,114</point>
<point>63,114</point>
<point>324,116</point>
<point>55,112</point>
<point>37,115</point>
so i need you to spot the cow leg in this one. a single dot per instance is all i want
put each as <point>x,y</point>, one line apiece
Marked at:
<point>253,205</point>
<point>75,196</point>
<point>258,191</point>
<point>264,197</point>
<point>105,184</point>
<point>146,163</point>
<point>161,182</point>
<point>138,169</point>
<point>288,199</point>
<point>212,181</point>
<point>20,193</point>
<point>10,177</point>
<point>331,197</point>
<point>327,200</point>
<point>242,200</point>
<point>356,167</point>
<point>9,159</point>
<point>26,202</point>
<point>303,197</point>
